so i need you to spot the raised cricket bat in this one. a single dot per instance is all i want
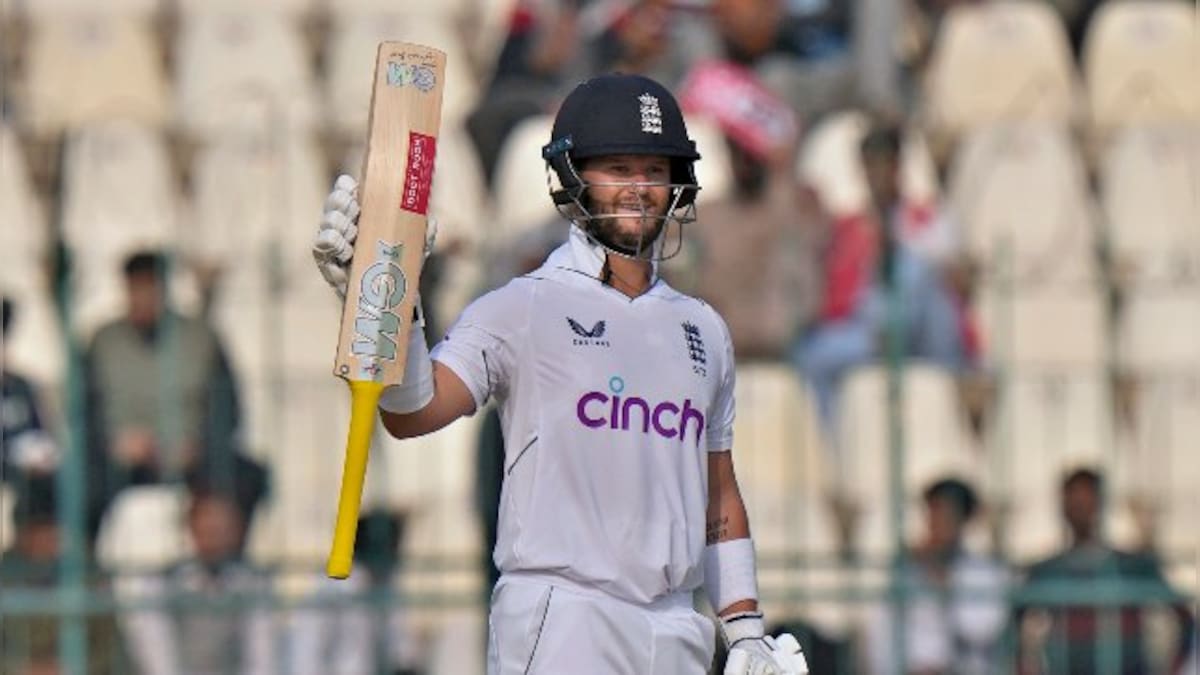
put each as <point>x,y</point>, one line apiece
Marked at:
<point>406,106</point>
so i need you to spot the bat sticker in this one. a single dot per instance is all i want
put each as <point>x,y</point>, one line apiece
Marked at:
<point>418,75</point>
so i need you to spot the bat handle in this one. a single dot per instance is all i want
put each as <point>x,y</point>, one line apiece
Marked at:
<point>364,400</point>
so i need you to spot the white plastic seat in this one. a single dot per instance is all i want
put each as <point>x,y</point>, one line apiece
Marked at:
<point>1151,197</point>
<point>55,9</point>
<point>1002,60</point>
<point>105,219</point>
<point>7,502</point>
<point>520,188</point>
<point>353,45</point>
<point>32,345</point>
<point>85,68</point>
<point>290,8</point>
<point>243,71</point>
<point>1140,62</point>
<point>144,529</point>
<point>714,172</point>
<point>830,162</point>
<point>936,445</point>
<point>780,459</point>
<point>24,236</point>
<point>1046,326</point>
<point>257,203</point>
<point>1167,423</point>
<point>1047,422</point>
<point>1021,196</point>
<point>1157,330</point>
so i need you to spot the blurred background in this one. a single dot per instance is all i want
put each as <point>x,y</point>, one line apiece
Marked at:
<point>957,243</point>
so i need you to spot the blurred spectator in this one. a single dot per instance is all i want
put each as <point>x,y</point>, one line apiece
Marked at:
<point>162,401</point>
<point>29,642</point>
<point>878,277</point>
<point>552,44</point>
<point>543,40</point>
<point>1080,634</point>
<point>800,49</point>
<point>754,255</point>
<point>26,448</point>
<point>331,636</point>
<point>955,610</point>
<point>207,614</point>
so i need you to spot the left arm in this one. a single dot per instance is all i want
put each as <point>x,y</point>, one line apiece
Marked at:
<point>730,578</point>
<point>726,520</point>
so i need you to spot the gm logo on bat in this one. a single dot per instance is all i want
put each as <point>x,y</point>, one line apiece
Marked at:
<point>376,324</point>
<point>418,75</point>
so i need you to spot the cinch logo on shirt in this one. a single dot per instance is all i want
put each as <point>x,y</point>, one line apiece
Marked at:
<point>597,409</point>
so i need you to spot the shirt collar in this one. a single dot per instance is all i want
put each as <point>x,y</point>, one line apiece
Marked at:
<point>583,255</point>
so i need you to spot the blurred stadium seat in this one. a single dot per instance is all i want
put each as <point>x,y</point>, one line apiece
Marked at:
<point>714,172</point>
<point>936,441</point>
<point>353,43</point>
<point>256,204</point>
<point>7,502</point>
<point>829,160</point>
<point>1157,330</point>
<point>1047,422</point>
<point>1140,64</point>
<point>290,8</point>
<point>1018,48</point>
<point>521,180</point>
<point>781,469</point>
<point>24,251</point>
<point>118,194</point>
<point>1020,193</point>
<point>1150,179</point>
<point>83,68</point>
<point>243,71</point>
<point>1047,326</point>
<point>143,529</point>
<point>39,9</point>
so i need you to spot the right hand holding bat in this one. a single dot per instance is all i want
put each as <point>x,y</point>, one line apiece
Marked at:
<point>333,248</point>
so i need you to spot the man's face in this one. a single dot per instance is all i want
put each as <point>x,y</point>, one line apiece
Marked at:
<point>145,299</point>
<point>883,177</point>
<point>216,528</point>
<point>945,523</point>
<point>1081,508</point>
<point>630,194</point>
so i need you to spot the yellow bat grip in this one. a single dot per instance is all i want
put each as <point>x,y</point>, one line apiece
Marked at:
<point>364,400</point>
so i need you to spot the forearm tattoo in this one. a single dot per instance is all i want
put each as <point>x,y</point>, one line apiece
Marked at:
<point>718,530</point>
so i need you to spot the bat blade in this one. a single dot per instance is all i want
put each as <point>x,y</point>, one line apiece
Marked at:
<point>397,177</point>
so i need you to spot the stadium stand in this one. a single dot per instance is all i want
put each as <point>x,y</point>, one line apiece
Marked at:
<point>104,220</point>
<point>1140,65</point>
<point>84,68</point>
<point>829,160</point>
<point>243,71</point>
<point>1019,48</point>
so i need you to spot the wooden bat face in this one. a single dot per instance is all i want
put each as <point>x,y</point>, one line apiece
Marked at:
<point>394,193</point>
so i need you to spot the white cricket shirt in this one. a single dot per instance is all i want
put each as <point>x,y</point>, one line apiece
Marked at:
<point>608,407</point>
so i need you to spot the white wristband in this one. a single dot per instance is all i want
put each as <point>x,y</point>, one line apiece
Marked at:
<point>729,572</point>
<point>416,390</point>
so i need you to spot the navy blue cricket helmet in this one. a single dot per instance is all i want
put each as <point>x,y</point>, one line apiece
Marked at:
<point>619,114</point>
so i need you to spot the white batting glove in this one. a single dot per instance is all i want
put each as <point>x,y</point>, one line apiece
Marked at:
<point>333,248</point>
<point>753,652</point>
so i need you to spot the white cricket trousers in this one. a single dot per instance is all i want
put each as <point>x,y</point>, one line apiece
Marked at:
<point>543,628</point>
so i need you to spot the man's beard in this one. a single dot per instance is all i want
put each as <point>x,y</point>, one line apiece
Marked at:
<point>614,233</point>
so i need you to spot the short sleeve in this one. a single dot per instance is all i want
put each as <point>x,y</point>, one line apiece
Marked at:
<point>481,346</point>
<point>721,412</point>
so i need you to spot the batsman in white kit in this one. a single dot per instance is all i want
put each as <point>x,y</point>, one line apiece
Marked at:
<point>616,398</point>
